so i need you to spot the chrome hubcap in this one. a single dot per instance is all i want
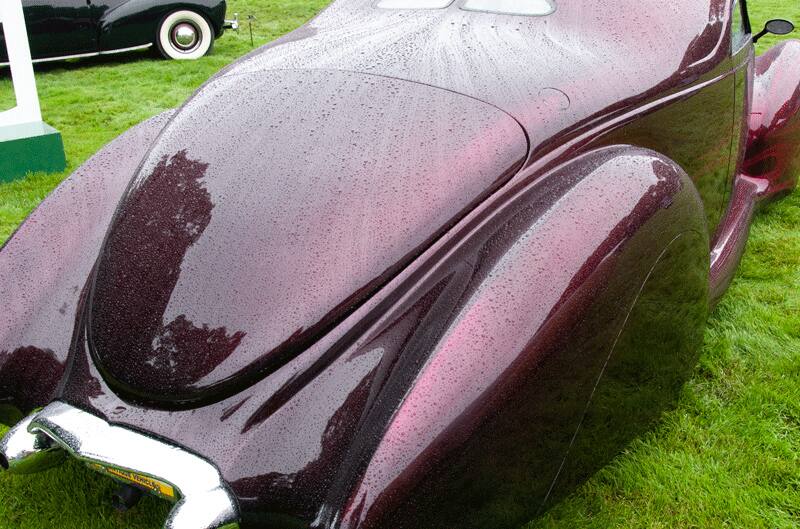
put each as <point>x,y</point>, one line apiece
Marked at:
<point>185,36</point>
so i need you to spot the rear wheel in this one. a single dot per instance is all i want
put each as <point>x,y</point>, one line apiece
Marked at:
<point>184,35</point>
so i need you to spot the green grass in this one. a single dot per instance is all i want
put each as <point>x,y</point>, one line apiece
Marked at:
<point>727,456</point>
<point>92,101</point>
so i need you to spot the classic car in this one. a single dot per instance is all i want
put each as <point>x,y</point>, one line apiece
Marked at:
<point>451,257</point>
<point>66,29</point>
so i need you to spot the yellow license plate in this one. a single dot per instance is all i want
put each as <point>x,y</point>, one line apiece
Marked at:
<point>150,484</point>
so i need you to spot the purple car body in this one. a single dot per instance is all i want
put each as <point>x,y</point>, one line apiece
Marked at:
<point>442,266</point>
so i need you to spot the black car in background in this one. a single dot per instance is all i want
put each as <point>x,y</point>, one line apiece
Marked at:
<point>62,29</point>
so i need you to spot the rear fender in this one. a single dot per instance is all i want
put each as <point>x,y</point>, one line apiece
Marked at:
<point>477,438</point>
<point>773,144</point>
<point>136,22</point>
<point>45,265</point>
<point>133,23</point>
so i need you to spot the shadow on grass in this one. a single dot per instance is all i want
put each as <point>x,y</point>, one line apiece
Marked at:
<point>80,496</point>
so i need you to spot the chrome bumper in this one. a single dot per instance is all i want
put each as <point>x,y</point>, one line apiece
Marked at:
<point>232,24</point>
<point>24,453</point>
<point>203,500</point>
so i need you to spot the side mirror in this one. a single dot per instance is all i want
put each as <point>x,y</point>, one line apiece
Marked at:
<point>776,27</point>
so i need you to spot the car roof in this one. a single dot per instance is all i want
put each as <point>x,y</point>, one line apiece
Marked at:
<point>585,59</point>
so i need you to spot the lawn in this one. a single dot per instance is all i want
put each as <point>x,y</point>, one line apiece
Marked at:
<point>728,454</point>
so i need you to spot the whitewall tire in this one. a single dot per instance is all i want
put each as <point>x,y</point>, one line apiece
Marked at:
<point>184,35</point>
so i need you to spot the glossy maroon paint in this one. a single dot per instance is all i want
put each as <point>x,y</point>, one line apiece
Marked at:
<point>770,159</point>
<point>773,146</point>
<point>478,385</point>
<point>731,239</point>
<point>571,78</point>
<point>219,269</point>
<point>46,262</point>
<point>388,297</point>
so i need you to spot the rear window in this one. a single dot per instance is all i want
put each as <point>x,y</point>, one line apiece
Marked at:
<point>511,7</point>
<point>414,4</point>
<point>503,7</point>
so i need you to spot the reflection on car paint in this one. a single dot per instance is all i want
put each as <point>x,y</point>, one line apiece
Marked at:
<point>442,269</point>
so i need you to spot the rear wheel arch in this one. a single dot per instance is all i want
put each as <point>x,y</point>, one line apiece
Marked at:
<point>121,27</point>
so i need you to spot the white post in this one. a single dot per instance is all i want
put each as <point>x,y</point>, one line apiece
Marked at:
<point>19,57</point>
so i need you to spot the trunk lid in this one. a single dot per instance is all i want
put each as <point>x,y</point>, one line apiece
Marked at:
<point>271,206</point>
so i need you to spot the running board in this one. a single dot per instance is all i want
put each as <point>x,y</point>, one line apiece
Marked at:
<point>731,237</point>
<point>86,55</point>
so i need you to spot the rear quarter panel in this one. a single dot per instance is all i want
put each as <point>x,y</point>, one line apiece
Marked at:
<point>608,254</point>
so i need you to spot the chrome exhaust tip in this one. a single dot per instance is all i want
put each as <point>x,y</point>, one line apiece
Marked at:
<point>126,497</point>
<point>23,452</point>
